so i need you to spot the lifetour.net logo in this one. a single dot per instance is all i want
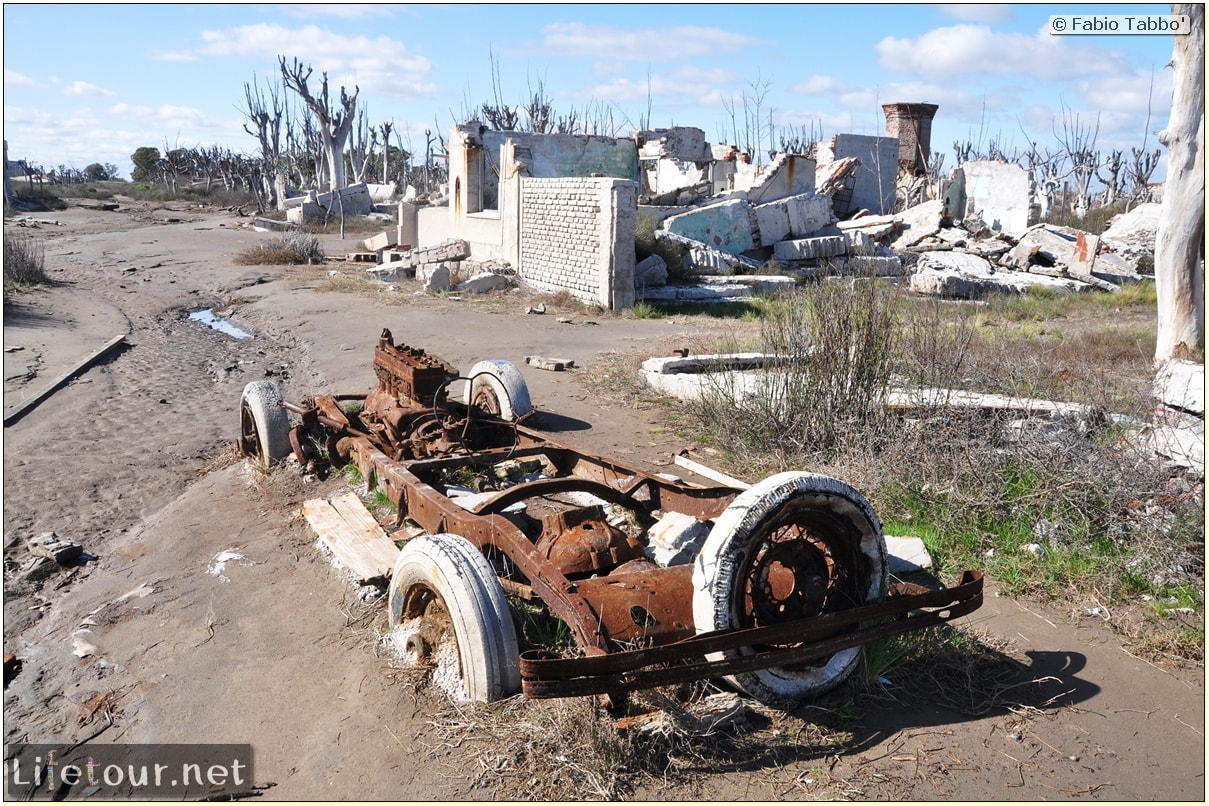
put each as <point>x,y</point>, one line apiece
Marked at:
<point>126,771</point>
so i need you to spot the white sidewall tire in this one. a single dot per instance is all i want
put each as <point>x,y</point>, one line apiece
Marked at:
<point>455,570</point>
<point>261,401</point>
<point>737,534</point>
<point>506,383</point>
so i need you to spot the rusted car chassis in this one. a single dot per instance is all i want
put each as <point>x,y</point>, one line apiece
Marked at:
<point>789,583</point>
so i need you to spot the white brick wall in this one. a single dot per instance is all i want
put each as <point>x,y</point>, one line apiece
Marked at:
<point>573,237</point>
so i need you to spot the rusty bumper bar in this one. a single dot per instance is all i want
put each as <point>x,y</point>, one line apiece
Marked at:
<point>545,675</point>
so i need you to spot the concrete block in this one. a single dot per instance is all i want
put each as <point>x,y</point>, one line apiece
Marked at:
<point>675,539</point>
<point>382,240</point>
<point>875,266</point>
<point>482,283</point>
<point>810,248</point>
<point>963,276</point>
<point>809,213</point>
<point>906,555</point>
<point>918,222</point>
<point>651,271</point>
<point>385,272</point>
<point>1000,193</point>
<point>772,222</point>
<point>725,226</point>
<point>1181,384</point>
<point>438,281</point>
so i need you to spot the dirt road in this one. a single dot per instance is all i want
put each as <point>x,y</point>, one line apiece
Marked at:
<point>208,615</point>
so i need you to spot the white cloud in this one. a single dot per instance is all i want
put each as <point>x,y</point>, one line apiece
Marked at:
<point>641,44</point>
<point>14,80</point>
<point>375,64</point>
<point>978,12</point>
<point>129,111</point>
<point>819,85</point>
<point>959,51</point>
<point>686,84</point>
<point>84,89</point>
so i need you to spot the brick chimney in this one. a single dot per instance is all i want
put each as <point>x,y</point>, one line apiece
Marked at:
<point>911,123</point>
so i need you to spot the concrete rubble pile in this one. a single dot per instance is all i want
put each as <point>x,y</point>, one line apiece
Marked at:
<point>444,267</point>
<point>932,253</point>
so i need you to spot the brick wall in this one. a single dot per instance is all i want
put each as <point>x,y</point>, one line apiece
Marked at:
<point>578,234</point>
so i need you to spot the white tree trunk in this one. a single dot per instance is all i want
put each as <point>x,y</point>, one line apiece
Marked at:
<point>279,188</point>
<point>1178,270</point>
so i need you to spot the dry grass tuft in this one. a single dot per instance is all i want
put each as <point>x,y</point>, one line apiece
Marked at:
<point>291,249</point>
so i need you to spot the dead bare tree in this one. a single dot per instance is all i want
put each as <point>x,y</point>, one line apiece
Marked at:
<point>1112,182</point>
<point>1079,143</point>
<point>1179,247</point>
<point>334,124</point>
<point>363,140</point>
<point>267,117</point>
<point>1046,170</point>
<point>1139,171</point>
<point>385,129</point>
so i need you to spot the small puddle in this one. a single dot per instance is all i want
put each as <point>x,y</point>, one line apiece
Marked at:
<point>222,325</point>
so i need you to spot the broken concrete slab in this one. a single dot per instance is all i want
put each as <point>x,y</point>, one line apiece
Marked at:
<point>380,241</point>
<point>438,280</point>
<point>787,175</point>
<point>876,174</point>
<point>962,276</point>
<point>1181,385</point>
<point>551,364</point>
<point>675,538</point>
<point>1000,193</point>
<point>875,265</point>
<point>906,555</point>
<point>810,248</point>
<point>651,271</point>
<point>726,226</point>
<point>726,288</point>
<point>1043,245</point>
<point>809,213</point>
<point>918,222</point>
<point>772,222</point>
<point>1131,236</point>
<point>51,546</point>
<point>483,283</point>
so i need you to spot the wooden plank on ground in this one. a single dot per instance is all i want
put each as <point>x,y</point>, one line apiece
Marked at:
<point>350,532</point>
<point>20,409</point>
<point>710,473</point>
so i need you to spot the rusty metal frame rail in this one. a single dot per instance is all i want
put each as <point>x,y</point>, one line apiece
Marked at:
<point>543,675</point>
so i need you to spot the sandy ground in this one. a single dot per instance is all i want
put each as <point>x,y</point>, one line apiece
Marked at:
<point>274,647</point>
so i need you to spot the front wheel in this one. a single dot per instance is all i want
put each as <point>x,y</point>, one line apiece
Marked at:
<point>445,592</point>
<point>794,546</point>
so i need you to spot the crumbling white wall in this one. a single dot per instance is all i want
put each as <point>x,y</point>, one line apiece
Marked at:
<point>577,234</point>
<point>999,192</point>
<point>878,171</point>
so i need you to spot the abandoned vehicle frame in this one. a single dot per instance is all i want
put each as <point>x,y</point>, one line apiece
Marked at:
<point>786,586</point>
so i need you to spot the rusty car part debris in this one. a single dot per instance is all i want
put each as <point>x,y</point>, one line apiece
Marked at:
<point>790,581</point>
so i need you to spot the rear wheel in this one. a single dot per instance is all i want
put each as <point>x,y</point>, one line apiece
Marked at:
<point>445,592</point>
<point>793,546</point>
<point>264,426</point>
<point>498,388</point>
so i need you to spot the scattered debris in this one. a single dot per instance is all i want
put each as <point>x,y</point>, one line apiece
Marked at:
<point>51,546</point>
<point>552,364</point>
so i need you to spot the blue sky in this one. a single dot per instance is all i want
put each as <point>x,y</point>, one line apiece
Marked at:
<point>88,83</point>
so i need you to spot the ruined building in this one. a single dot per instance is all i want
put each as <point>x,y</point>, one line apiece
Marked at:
<point>911,123</point>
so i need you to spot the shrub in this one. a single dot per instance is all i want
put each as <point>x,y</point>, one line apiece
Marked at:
<point>291,249</point>
<point>832,344</point>
<point>24,260</point>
